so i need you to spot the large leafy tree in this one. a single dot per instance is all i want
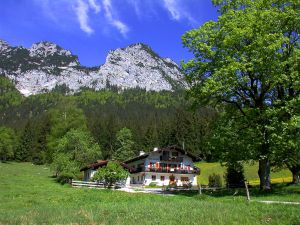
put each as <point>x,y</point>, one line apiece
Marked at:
<point>249,58</point>
<point>74,150</point>
<point>63,118</point>
<point>80,146</point>
<point>125,145</point>
<point>286,140</point>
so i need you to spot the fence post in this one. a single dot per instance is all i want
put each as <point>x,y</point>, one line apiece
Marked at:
<point>199,187</point>
<point>247,191</point>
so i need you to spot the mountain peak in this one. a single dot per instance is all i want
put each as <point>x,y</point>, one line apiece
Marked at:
<point>46,65</point>
<point>4,46</point>
<point>45,48</point>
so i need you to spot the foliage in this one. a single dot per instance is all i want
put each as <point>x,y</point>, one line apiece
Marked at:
<point>9,95</point>
<point>155,119</point>
<point>74,150</point>
<point>247,58</point>
<point>153,184</point>
<point>62,119</point>
<point>234,175</point>
<point>250,171</point>
<point>125,145</point>
<point>7,143</point>
<point>80,147</point>
<point>214,180</point>
<point>111,174</point>
<point>64,167</point>
<point>285,141</point>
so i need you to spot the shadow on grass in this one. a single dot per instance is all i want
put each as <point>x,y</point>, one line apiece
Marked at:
<point>277,190</point>
<point>6,162</point>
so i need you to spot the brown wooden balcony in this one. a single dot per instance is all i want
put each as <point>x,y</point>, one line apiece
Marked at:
<point>165,170</point>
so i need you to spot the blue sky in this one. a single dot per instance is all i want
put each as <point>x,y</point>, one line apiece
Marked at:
<point>90,28</point>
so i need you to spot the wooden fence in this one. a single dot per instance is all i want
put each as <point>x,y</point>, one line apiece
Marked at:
<point>88,184</point>
<point>79,183</point>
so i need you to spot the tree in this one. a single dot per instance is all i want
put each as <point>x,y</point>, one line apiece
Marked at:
<point>79,146</point>
<point>286,140</point>
<point>9,95</point>
<point>74,150</point>
<point>63,118</point>
<point>7,143</point>
<point>234,175</point>
<point>125,143</point>
<point>27,144</point>
<point>111,174</point>
<point>247,58</point>
<point>64,167</point>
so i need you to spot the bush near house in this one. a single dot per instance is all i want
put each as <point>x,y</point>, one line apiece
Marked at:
<point>111,174</point>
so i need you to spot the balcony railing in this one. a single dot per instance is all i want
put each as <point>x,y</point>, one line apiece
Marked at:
<point>171,158</point>
<point>195,170</point>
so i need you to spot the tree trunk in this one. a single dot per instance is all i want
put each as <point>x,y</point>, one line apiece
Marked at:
<point>296,173</point>
<point>264,174</point>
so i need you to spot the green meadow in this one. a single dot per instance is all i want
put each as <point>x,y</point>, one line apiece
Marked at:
<point>250,169</point>
<point>29,195</point>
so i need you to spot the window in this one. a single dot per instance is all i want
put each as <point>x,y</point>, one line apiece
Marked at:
<point>166,153</point>
<point>153,178</point>
<point>162,178</point>
<point>174,154</point>
<point>184,179</point>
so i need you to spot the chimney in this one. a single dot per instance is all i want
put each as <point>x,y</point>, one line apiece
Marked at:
<point>142,153</point>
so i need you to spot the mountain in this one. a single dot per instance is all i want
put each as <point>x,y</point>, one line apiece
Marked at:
<point>45,66</point>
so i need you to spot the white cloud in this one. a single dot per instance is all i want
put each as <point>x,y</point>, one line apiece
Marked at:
<point>173,8</point>
<point>109,14</point>
<point>136,5</point>
<point>177,11</point>
<point>81,10</point>
<point>95,6</point>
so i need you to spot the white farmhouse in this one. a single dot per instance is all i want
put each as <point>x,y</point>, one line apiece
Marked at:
<point>161,167</point>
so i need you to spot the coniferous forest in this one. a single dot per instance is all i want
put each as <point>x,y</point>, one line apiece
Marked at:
<point>36,126</point>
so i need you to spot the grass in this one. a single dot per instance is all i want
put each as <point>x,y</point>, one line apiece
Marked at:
<point>282,176</point>
<point>28,195</point>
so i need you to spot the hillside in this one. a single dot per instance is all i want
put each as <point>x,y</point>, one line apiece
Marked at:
<point>30,196</point>
<point>282,176</point>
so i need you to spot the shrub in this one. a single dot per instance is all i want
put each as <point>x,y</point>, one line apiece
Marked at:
<point>111,174</point>
<point>214,180</point>
<point>234,175</point>
<point>152,184</point>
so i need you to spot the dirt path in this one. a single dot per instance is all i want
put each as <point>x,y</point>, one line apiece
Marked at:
<point>278,202</point>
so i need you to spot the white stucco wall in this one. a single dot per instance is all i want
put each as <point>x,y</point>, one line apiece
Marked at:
<point>88,174</point>
<point>146,178</point>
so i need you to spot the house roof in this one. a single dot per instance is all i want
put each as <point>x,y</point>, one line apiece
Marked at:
<point>101,163</point>
<point>172,147</point>
<point>175,147</point>
<point>145,155</point>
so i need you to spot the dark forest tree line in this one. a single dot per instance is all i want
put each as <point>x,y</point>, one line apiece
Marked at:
<point>120,123</point>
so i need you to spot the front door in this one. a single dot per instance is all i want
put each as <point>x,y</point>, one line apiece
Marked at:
<point>172,179</point>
